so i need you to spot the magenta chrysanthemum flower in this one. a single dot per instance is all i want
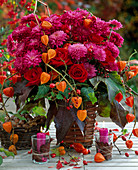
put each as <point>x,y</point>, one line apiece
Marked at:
<point>100,27</point>
<point>74,17</point>
<point>112,66</point>
<point>98,52</point>
<point>20,49</point>
<point>116,39</point>
<point>10,44</point>
<point>90,69</point>
<point>112,48</point>
<point>57,38</point>
<point>26,19</point>
<point>115,24</point>
<point>55,20</point>
<point>20,66</point>
<point>77,51</point>
<point>36,31</point>
<point>32,58</point>
<point>81,33</point>
<point>21,32</point>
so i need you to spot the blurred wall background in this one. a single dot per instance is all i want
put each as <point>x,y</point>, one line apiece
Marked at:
<point>125,11</point>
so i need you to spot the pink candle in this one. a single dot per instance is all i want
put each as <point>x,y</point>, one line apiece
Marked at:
<point>41,140</point>
<point>103,135</point>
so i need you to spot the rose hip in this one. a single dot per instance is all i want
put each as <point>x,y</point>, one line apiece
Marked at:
<point>85,162</point>
<point>123,138</point>
<point>126,154</point>
<point>53,155</point>
<point>136,152</point>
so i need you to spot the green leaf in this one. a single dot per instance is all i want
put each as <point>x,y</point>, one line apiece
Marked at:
<point>2,150</point>
<point>88,94</point>
<point>38,110</point>
<point>7,153</point>
<point>52,94</point>
<point>124,131</point>
<point>113,83</point>
<point>19,116</point>
<point>24,111</point>
<point>2,115</point>
<point>1,160</point>
<point>92,97</point>
<point>104,106</point>
<point>42,91</point>
<point>59,96</point>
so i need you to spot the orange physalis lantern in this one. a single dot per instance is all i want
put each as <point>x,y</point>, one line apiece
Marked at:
<point>82,114</point>
<point>7,126</point>
<point>51,53</point>
<point>14,138</point>
<point>76,101</point>
<point>129,144</point>
<point>46,24</point>
<point>135,132</point>
<point>129,74</point>
<point>87,23</point>
<point>99,158</point>
<point>45,39</point>
<point>61,86</point>
<point>9,91</point>
<point>45,77</point>
<point>130,117</point>
<point>45,58</point>
<point>134,69</point>
<point>121,65</point>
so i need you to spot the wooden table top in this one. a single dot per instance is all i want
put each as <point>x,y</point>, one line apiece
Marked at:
<point>23,161</point>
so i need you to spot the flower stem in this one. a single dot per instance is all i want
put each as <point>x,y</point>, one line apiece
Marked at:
<point>134,109</point>
<point>62,77</point>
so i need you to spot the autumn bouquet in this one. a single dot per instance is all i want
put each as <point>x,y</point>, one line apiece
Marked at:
<point>68,59</point>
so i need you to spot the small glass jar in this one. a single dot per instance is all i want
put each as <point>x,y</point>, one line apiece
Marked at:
<point>40,149</point>
<point>105,148</point>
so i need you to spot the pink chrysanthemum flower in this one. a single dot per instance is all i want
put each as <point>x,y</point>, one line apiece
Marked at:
<point>32,58</point>
<point>90,69</point>
<point>98,52</point>
<point>77,51</point>
<point>57,38</point>
<point>115,24</point>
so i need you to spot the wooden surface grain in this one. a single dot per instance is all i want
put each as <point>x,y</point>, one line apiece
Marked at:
<point>23,160</point>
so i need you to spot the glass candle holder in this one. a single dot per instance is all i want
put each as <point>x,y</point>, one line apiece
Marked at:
<point>40,148</point>
<point>104,146</point>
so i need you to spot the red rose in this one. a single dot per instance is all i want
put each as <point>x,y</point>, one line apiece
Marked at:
<point>62,55</point>
<point>33,76</point>
<point>78,72</point>
<point>97,39</point>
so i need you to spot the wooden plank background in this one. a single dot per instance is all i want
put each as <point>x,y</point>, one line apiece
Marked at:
<point>120,162</point>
